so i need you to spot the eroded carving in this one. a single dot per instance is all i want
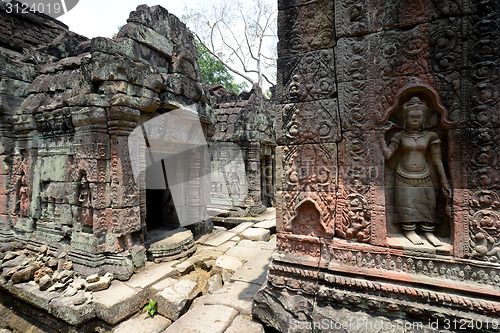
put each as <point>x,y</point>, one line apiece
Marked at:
<point>414,192</point>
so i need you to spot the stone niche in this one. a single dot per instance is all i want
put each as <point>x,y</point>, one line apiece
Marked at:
<point>244,124</point>
<point>388,165</point>
<point>68,106</point>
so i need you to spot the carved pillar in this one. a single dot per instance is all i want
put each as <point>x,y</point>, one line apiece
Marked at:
<point>123,216</point>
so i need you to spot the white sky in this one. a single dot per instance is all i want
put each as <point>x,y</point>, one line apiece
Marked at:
<point>102,18</point>
<point>94,18</point>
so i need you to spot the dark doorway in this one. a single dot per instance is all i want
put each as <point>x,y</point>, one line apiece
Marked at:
<point>160,207</point>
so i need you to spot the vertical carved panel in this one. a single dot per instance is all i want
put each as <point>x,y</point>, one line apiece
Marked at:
<point>313,122</point>
<point>306,28</point>
<point>483,134</point>
<point>306,77</point>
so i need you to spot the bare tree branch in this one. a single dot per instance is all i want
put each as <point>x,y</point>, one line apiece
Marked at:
<point>235,71</point>
<point>240,36</point>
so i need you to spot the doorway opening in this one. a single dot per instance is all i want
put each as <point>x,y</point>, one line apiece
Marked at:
<point>160,207</point>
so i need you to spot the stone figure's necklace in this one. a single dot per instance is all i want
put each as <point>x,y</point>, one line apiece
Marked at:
<point>414,134</point>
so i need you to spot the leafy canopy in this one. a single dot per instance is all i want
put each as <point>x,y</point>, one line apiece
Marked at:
<point>214,72</point>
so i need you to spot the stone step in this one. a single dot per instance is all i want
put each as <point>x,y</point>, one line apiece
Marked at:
<point>151,274</point>
<point>242,227</point>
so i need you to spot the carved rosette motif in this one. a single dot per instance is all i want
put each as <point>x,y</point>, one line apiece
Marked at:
<point>306,77</point>
<point>307,28</point>
<point>308,167</point>
<point>311,122</point>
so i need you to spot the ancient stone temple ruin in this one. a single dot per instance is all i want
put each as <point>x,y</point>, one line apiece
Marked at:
<point>387,165</point>
<point>246,120</point>
<point>71,176</point>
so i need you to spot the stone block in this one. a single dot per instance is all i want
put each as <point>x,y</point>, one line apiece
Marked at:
<point>237,295</point>
<point>308,122</point>
<point>204,318</point>
<point>306,28</point>
<point>151,274</point>
<point>174,301</point>
<point>268,224</point>
<point>227,262</point>
<point>255,270</point>
<point>256,234</point>
<point>219,238</point>
<point>13,87</point>
<point>168,245</point>
<point>184,86</point>
<point>118,302</point>
<point>241,227</point>
<point>131,49</point>
<point>162,285</point>
<point>147,36</point>
<point>65,309</point>
<point>53,168</point>
<point>32,295</point>
<point>143,322</point>
<point>243,324</point>
<point>306,77</point>
<point>243,253</point>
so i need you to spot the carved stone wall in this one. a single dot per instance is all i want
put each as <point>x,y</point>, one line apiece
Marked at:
<point>68,106</point>
<point>246,120</point>
<point>345,69</point>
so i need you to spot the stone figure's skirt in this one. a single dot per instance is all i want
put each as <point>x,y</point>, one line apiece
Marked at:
<point>414,197</point>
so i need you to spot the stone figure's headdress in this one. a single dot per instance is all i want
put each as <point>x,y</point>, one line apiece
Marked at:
<point>415,103</point>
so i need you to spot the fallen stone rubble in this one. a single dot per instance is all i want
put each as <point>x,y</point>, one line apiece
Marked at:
<point>51,272</point>
<point>216,285</point>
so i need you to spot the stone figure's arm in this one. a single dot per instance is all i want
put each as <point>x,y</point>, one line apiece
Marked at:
<point>435,144</point>
<point>389,150</point>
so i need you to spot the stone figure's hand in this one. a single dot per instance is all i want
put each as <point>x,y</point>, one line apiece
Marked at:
<point>387,127</point>
<point>447,190</point>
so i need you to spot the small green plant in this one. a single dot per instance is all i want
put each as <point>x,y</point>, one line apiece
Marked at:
<point>151,308</point>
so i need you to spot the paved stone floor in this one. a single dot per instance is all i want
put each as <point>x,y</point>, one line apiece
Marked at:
<point>211,291</point>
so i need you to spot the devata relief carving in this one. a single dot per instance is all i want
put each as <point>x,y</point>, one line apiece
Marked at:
<point>414,191</point>
<point>410,212</point>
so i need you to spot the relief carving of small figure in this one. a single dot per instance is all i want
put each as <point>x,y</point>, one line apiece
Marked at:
<point>23,197</point>
<point>85,201</point>
<point>414,192</point>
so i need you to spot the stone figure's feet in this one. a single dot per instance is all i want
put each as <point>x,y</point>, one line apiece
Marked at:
<point>413,237</point>
<point>432,239</point>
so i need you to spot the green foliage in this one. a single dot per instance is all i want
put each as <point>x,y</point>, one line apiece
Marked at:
<point>214,72</point>
<point>269,94</point>
<point>116,33</point>
<point>151,308</point>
